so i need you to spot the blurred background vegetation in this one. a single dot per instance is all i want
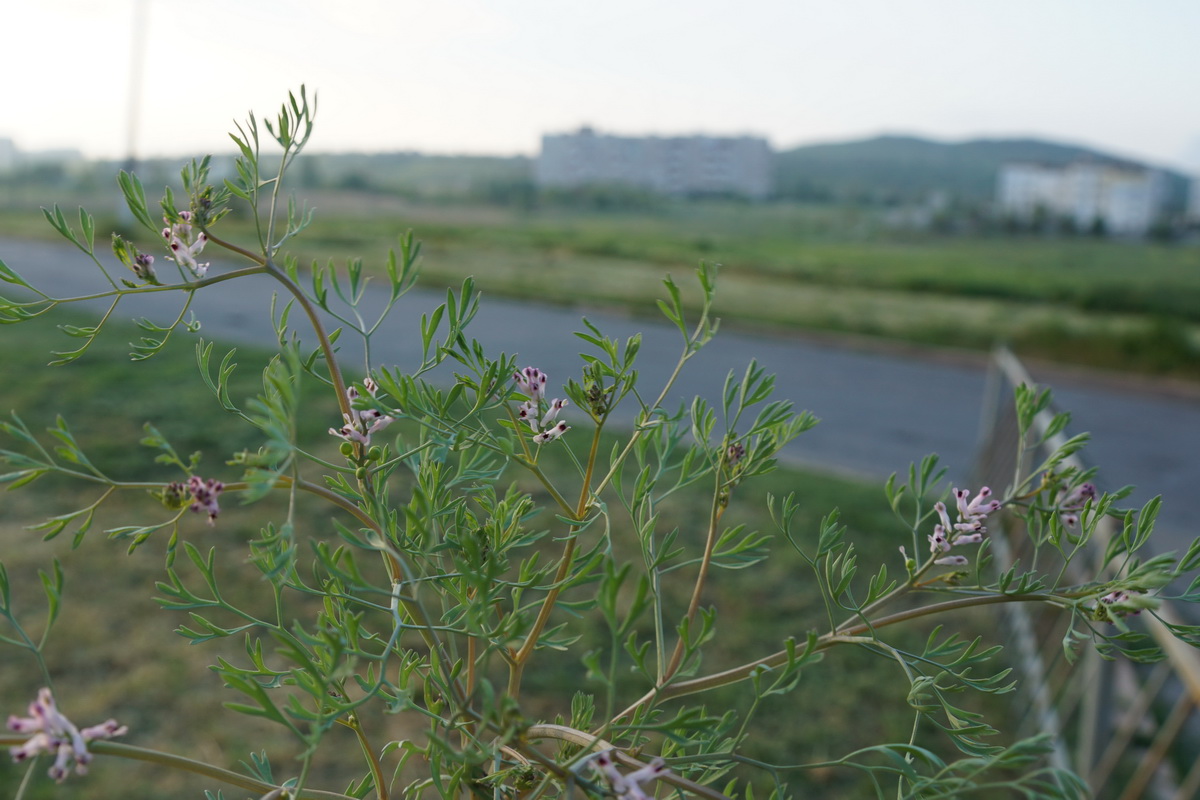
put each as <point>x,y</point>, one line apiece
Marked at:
<point>892,239</point>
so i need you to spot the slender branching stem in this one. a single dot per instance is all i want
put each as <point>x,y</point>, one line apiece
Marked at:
<point>522,655</point>
<point>564,564</point>
<point>716,511</point>
<point>257,258</point>
<point>847,635</point>
<point>120,750</point>
<point>148,289</point>
<point>585,488</point>
<point>355,724</point>
<point>331,363</point>
<point>526,650</point>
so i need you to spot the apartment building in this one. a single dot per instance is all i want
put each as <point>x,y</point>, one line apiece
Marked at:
<point>675,165</point>
<point>1129,200</point>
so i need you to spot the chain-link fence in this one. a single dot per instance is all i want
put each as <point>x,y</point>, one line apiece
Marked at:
<point>1131,730</point>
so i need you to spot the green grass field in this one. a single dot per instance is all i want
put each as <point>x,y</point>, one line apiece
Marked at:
<point>112,652</point>
<point>1118,305</point>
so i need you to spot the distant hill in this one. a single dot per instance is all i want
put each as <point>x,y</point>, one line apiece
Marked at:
<point>883,169</point>
<point>908,168</point>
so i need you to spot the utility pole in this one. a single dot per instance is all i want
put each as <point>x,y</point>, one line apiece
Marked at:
<point>137,60</point>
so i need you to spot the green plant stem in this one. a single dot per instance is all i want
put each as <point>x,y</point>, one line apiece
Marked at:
<point>716,511</point>
<point>148,289</point>
<point>395,569</point>
<point>353,723</point>
<point>522,655</point>
<point>530,463</point>
<point>517,664</point>
<point>28,644</point>
<point>267,264</point>
<point>392,560</point>
<point>899,591</point>
<point>277,184</point>
<point>119,750</point>
<point>257,258</point>
<point>396,572</point>
<point>641,429</point>
<point>549,487</point>
<point>585,488</point>
<point>25,780</point>
<point>847,635</point>
<point>335,371</point>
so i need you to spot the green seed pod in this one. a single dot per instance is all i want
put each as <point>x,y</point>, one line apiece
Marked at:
<point>347,449</point>
<point>375,453</point>
<point>361,473</point>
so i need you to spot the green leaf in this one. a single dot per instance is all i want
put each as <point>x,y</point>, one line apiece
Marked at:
<point>135,199</point>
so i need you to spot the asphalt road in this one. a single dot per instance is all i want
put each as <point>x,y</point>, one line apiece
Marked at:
<point>880,409</point>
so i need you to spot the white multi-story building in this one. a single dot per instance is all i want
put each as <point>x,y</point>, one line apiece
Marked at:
<point>1128,200</point>
<point>669,165</point>
<point>1193,201</point>
<point>8,156</point>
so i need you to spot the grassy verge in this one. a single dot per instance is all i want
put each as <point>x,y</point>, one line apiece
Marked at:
<point>112,654</point>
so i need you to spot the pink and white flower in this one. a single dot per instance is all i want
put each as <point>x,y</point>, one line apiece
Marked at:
<point>1125,603</point>
<point>538,413</point>
<point>204,497</point>
<point>532,382</point>
<point>976,509</point>
<point>51,732</point>
<point>969,529</point>
<point>362,422</point>
<point>198,494</point>
<point>550,434</point>
<point>185,243</point>
<point>1070,506</point>
<point>629,785</point>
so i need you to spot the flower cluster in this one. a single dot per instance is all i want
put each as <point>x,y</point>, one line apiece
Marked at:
<point>536,411</point>
<point>969,529</point>
<point>201,494</point>
<point>53,733</point>
<point>139,263</point>
<point>1124,603</point>
<point>361,423</point>
<point>143,267</point>
<point>1074,501</point>
<point>630,785</point>
<point>185,243</point>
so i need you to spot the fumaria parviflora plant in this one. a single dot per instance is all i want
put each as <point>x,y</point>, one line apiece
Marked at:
<point>435,586</point>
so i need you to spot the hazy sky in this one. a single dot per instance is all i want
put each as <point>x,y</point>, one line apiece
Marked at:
<point>490,76</point>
